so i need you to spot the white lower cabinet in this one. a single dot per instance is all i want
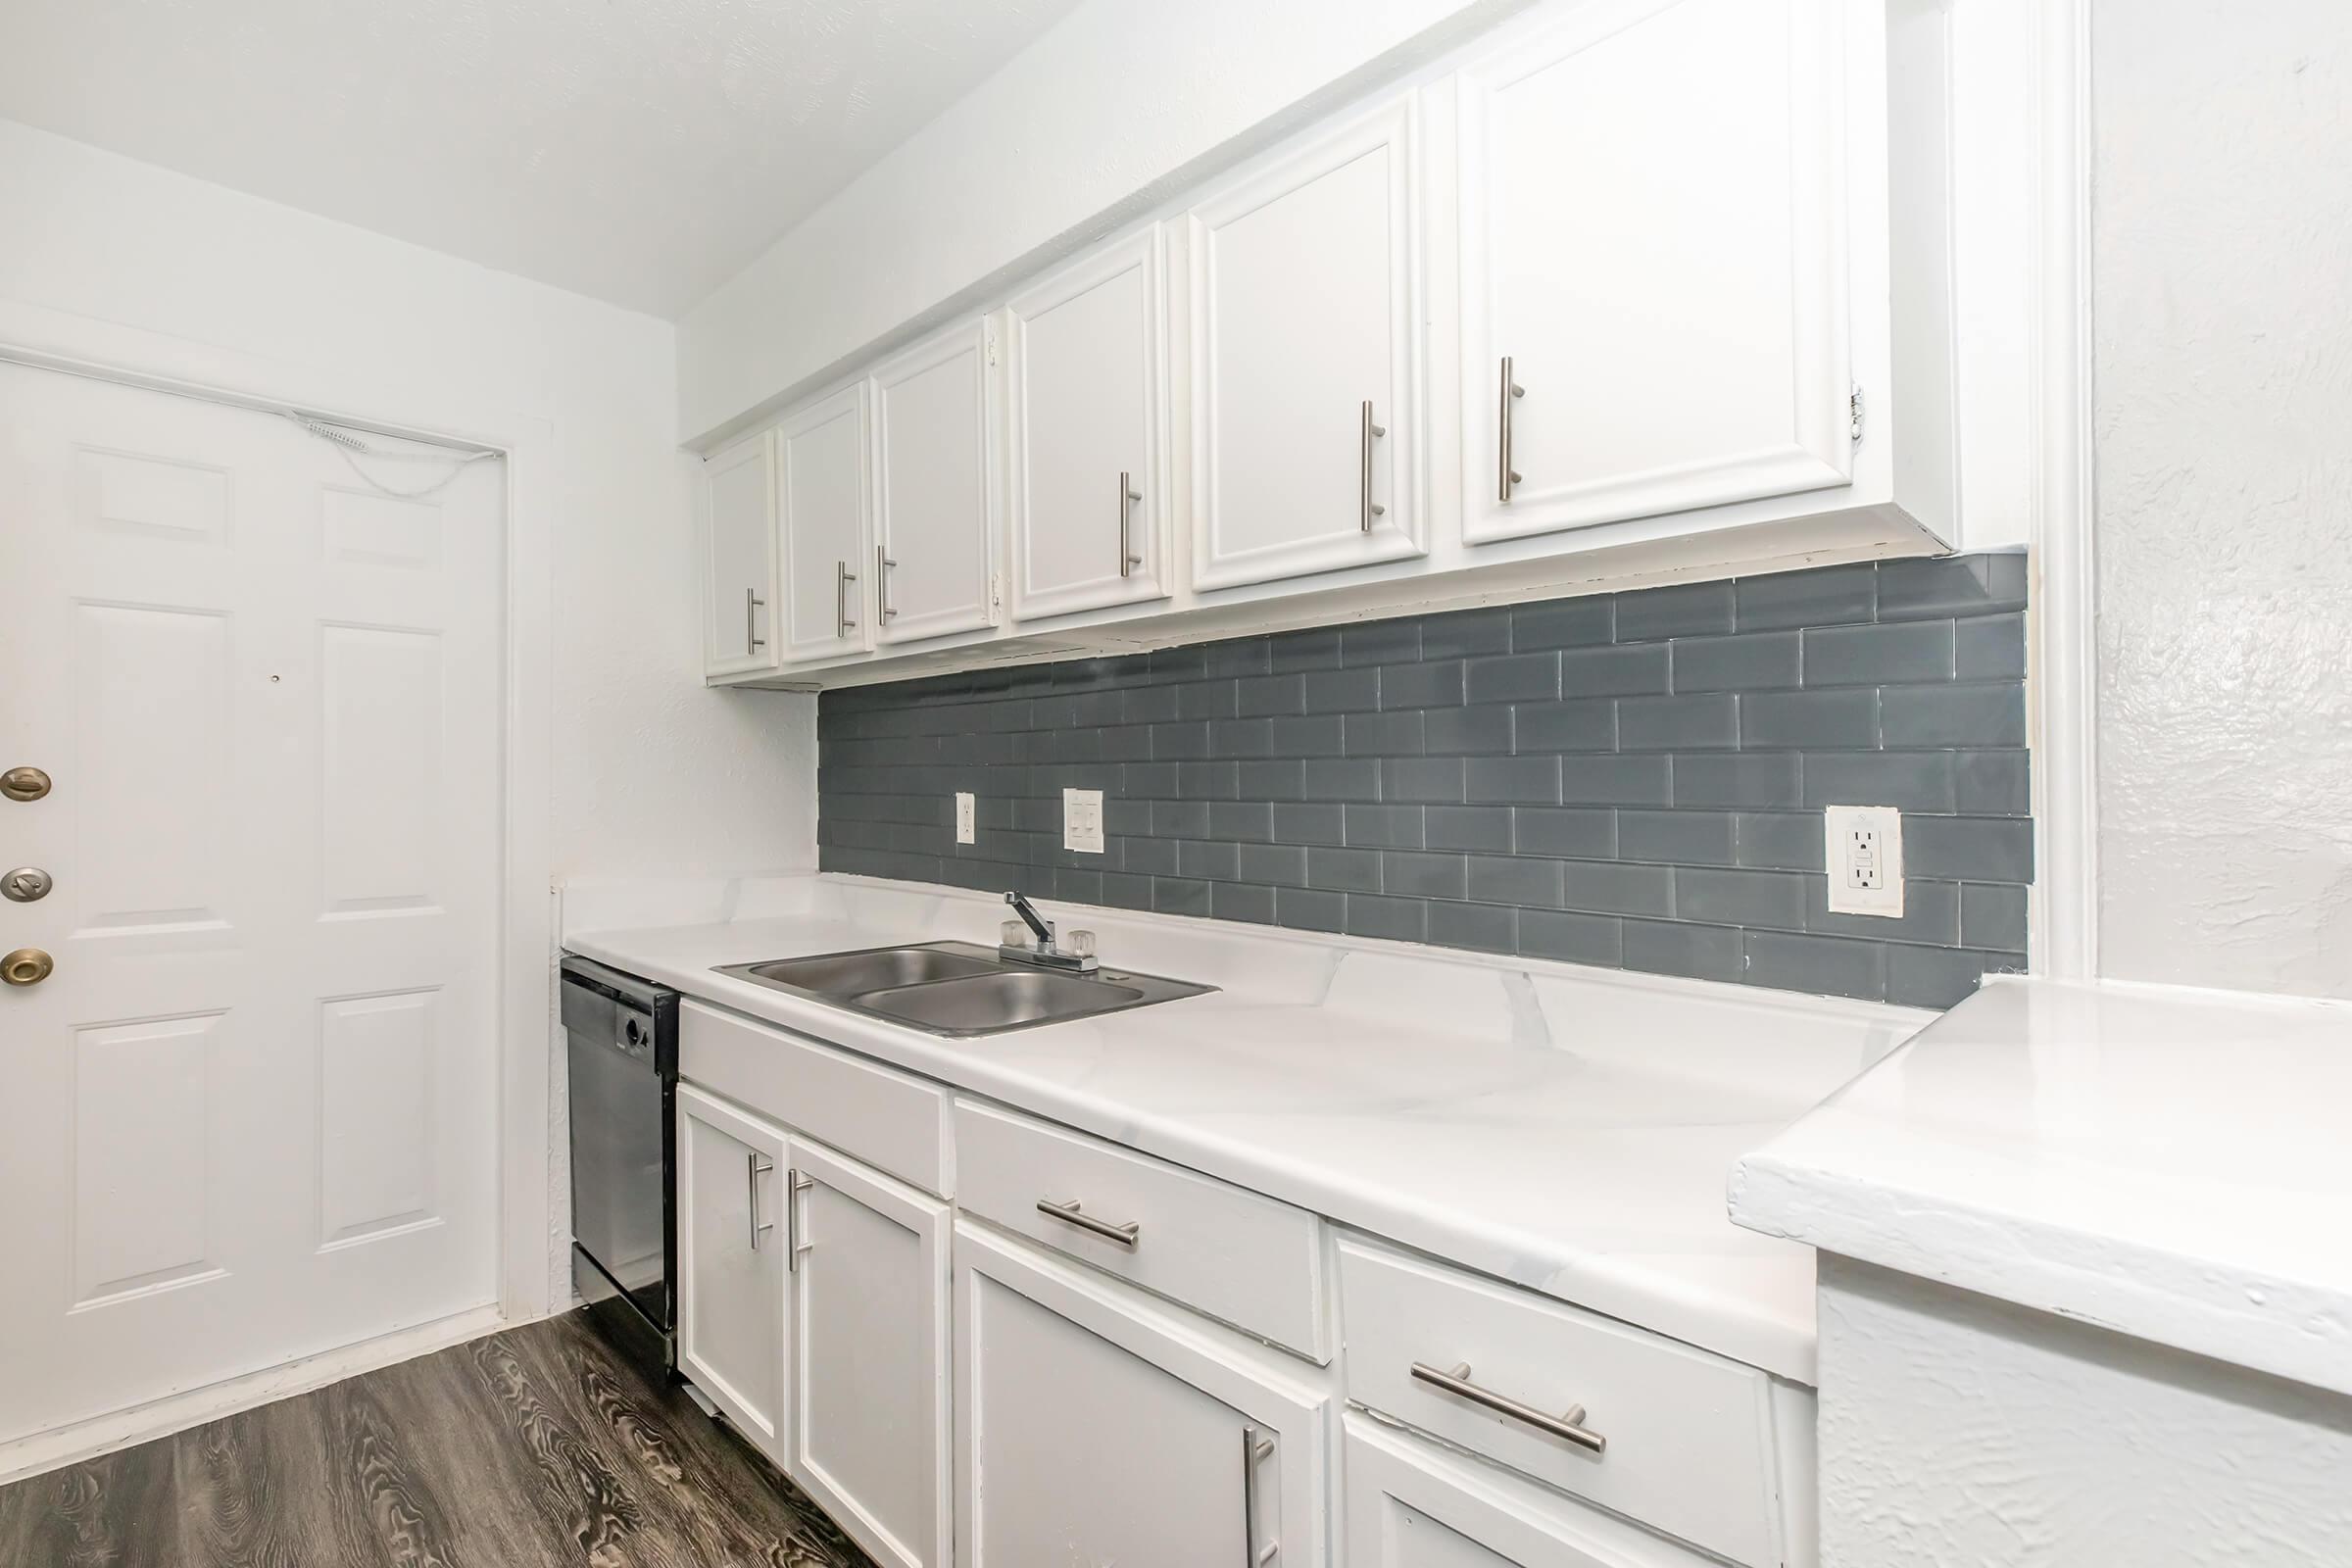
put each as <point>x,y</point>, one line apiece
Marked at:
<point>869,1358</point>
<point>731,1264</point>
<point>1092,1427</point>
<point>1409,1504</point>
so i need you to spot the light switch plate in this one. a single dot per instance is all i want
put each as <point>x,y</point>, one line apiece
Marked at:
<point>1082,821</point>
<point>1863,846</point>
<point>967,812</point>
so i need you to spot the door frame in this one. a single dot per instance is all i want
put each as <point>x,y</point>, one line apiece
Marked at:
<point>524,969</point>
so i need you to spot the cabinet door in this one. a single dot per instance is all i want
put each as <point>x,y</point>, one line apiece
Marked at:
<point>1653,242</point>
<point>824,499</point>
<point>934,507</point>
<point>1084,369</point>
<point>1305,302</point>
<point>731,1251</point>
<point>1093,1428</point>
<point>1411,1506</point>
<point>869,1355</point>
<point>739,559</point>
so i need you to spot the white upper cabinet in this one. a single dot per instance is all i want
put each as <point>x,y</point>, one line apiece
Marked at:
<point>934,504</point>
<point>739,559</point>
<point>823,506</point>
<point>1086,418</point>
<point>1654,280</point>
<point>1305,284</point>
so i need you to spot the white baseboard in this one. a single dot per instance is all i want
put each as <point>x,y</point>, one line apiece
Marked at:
<point>104,1433</point>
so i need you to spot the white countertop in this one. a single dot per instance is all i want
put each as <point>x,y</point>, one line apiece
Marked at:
<point>1570,1130</point>
<point>2170,1163</point>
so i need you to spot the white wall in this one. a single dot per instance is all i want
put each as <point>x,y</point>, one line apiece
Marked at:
<point>652,773</point>
<point>1095,122</point>
<point>2222,210</point>
<point>1960,1432</point>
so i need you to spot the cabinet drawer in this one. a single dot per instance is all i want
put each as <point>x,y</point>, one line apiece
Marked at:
<point>1239,1258</point>
<point>1688,1438</point>
<point>890,1121</point>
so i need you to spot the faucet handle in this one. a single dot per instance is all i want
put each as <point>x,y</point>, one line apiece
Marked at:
<point>1012,934</point>
<point>1078,944</point>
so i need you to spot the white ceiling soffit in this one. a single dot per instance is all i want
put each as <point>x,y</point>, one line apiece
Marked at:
<point>639,151</point>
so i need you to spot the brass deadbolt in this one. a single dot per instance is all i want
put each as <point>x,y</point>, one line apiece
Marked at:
<point>26,966</point>
<point>24,783</point>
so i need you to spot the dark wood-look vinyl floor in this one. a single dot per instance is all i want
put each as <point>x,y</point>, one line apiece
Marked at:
<point>538,1448</point>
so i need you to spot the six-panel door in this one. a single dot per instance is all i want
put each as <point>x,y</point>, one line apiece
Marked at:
<point>823,506</point>
<point>1653,264</point>
<point>1305,302</point>
<point>731,1252</point>
<point>934,506</point>
<point>1085,354</point>
<point>739,556</point>
<point>1092,1428</point>
<point>868,1362</point>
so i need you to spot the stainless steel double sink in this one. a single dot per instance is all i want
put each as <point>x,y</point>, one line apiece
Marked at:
<point>959,989</point>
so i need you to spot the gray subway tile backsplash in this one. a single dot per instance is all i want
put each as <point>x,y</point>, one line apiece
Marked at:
<point>1630,780</point>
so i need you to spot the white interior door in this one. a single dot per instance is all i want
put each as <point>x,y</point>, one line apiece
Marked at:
<point>934,503</point>
<point>1084,368</point>
<point>1305,285</point>
<point>251,1114</point>
<point>869,1355</point>
<point>1653,234</point>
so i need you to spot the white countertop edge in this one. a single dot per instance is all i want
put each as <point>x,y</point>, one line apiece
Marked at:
<point>1595,1280</point>
<point>1799,1190</point>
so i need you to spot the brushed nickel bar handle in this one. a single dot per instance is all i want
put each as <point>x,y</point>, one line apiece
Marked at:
<point>751,605</point>
<point>1128,497</point>
<point>843,577</point>
<point>1368,507</point>
<point>795,1184</point>
<point>1568,1426</point>
<point>755,1170</point>
<point>1508,476</point>
<point>1256,1450</point>
<point>882,565</point>
<point>1125,1235</point>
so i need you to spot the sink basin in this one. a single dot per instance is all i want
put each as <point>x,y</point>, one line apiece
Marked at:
<point>957,989</point>
<point>985,1003</point>
<point>850,974</point>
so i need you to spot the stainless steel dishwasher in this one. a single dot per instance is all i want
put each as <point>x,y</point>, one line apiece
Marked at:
<point>622,1038</point>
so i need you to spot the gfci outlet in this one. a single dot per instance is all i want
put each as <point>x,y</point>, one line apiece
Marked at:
<point>1865,855</point>
<point>1082,821</point>
<point>967,815</point>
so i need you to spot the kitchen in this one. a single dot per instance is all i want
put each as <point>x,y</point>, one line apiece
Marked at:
<point>1505,784</point>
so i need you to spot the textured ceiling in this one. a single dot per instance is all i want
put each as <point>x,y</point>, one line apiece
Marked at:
<point>640,151</point>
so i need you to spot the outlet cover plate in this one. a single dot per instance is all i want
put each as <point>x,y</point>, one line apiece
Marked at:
<point>1863,846</point>
<point>968,813</point>
<point>1082,821</point>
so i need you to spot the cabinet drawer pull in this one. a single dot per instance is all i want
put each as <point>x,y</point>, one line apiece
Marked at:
<point>757,1168</point>
<point>1568,1426</point>
<point>751,605</point>
<point>1256,1450</point>
<point>1125,1235</point>
<point>882,565</point>
<point>843,577</point>
<point>1508,476</point>
<point>795,1184</point>
<point>1368,507</point>
<point>1129,495</point>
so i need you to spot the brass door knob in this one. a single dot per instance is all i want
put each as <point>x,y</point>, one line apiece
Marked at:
<point>24,783</point>
<point>26,966</point>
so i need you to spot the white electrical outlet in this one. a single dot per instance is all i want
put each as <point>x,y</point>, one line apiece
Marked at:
<point>1082,821</point>
<point>968,817</point>
<point>1864,846</point>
